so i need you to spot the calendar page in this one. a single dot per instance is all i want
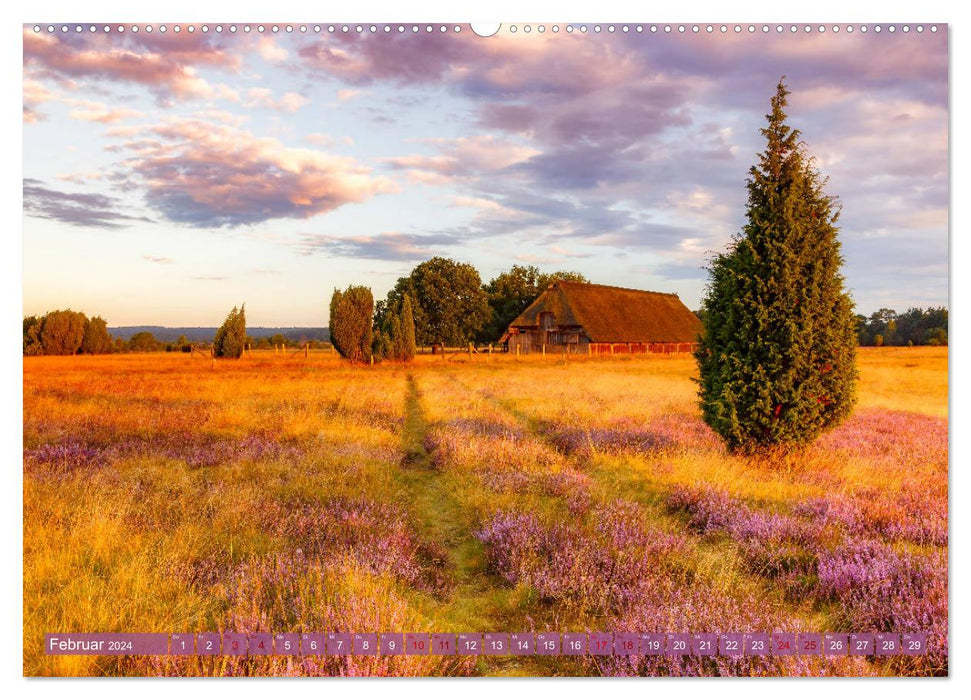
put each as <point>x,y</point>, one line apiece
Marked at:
<point>543,349</point>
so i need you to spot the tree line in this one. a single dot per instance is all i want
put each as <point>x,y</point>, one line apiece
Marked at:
<point>66,332</point>
<point>440,302</point>
<point>916,326</point>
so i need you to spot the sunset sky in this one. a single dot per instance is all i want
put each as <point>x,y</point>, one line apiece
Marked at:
<point>170,176</point>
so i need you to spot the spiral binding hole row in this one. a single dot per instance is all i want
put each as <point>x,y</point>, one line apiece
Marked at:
<point>513,28</point>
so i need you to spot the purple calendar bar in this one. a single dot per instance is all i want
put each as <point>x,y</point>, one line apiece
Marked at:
<point>495,644</point>
<point>836,644</point>
<point>678,644</point>
<point>105,644</point>
<point>417,644</point>
<point>470,644</point>
<point>704,644</point>
<point>627,644</point>
<point>182,645</point>
<point>443,644</point>
<point>339,644</point>
<point>731,644</point>
<point>286,644</point>
<point>734,644</point>
<point>757,644</point>
<point>861,645</point>
<point>574,644</point>
<point>653,644</point>
<point>260,644</point>
<point>522,644</point>
<point>548,644</point>
<point>783,644</point>
<point>810,644</point>
<point>234,644</point>
<point>887,644</point>
<point>392,644</point>
<point>312,644</point>
<point>600,643</point>
<point>208,644</point>
<point>365,645</point>
<point>914,644</point>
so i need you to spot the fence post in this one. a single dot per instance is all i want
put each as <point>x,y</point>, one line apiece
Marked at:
<point>306,350</point>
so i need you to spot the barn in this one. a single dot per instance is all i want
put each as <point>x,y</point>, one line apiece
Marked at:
<point>573,317</point>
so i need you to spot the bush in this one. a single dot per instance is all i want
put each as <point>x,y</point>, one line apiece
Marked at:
<point>32,342</point>
<point>394,332</point>
<point>143,342</point>
<point>351,313</point>
<point>97,340</point>
<point>230,340</point>
<point>777,357</point>
<point>62,332</point>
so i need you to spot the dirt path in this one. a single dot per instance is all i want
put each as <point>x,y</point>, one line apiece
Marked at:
<point>477,600</point>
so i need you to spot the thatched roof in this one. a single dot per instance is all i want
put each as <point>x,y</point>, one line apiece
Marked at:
<point>613,314</point>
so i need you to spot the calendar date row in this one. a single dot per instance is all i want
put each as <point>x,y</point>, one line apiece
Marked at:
<point>489,644</point>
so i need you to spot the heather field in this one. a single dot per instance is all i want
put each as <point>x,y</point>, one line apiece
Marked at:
<point>302,494</point>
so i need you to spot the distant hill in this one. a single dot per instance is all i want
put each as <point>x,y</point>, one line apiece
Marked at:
<point>197,334</point>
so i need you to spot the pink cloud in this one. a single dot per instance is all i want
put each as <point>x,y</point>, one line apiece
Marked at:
<point>166,64</point>
<point>272,51</point>
<point>87,110</point>
<point>263,97</point>
<point>34,94</point>
<point>460,157</point>
<point>207,174</point>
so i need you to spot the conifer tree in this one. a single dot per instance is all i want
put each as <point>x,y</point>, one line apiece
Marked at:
<point>407,348</point>
<point>351,319</point>
<point>230,340</point>
<point>777,357</point>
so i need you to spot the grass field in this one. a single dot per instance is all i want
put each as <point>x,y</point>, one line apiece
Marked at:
<point>302,494</point>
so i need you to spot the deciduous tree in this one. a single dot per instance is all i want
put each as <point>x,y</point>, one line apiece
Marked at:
<point>97,340</point>
<point>62,332</point>
<point>512,291</point>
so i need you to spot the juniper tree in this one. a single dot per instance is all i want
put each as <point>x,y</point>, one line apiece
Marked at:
<point>351,318</point>
<point>777,357</point>
<point>230,340</point>
<point>406,341</point>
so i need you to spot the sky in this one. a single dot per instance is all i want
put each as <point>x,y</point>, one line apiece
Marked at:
<point>170,176</point>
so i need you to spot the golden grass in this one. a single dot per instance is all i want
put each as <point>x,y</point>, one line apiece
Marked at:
<point>160,534</point>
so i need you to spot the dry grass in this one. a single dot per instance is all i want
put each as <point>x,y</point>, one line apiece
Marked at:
<point>303,494</point>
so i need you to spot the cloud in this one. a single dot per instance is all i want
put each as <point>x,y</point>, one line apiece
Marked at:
<point>346,95</point>
<point>89,111</point>
<point>272,51</point>
<point>212,175</point>
<point>78,209</point>
<point>80,178</point>
<point>167,64</point>
<point>459,157</point>
<point>263,97</point>
<point>393,246</point>
<point>327,141</point>
<point>34,94</point>
<point>158,259</point>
